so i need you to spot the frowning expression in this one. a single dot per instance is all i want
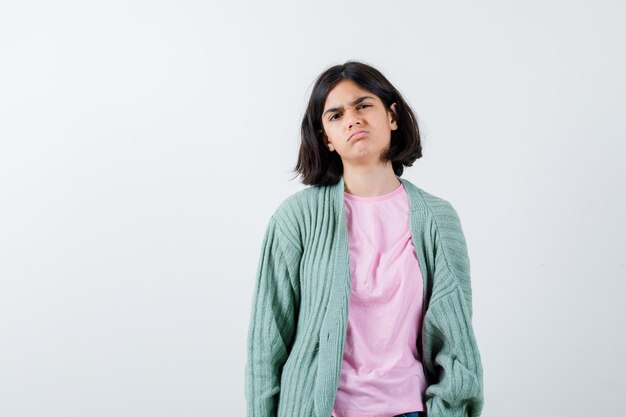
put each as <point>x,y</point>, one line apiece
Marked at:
<point>356,123</point>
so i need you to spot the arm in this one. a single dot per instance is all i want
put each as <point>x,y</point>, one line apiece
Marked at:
<point>272,321</point>
<point>453,361</point>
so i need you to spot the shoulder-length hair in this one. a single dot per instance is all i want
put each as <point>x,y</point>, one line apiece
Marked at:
<point>316,163</point>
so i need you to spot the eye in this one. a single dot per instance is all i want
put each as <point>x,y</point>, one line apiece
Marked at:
<point>359,107</point>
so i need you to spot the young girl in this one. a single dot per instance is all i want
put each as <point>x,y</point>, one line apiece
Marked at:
<point>362,304</point>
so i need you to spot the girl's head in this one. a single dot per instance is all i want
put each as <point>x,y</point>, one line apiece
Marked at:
<point>346,99</point>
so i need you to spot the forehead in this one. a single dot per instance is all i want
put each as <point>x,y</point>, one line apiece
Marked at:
<point>345,92</point>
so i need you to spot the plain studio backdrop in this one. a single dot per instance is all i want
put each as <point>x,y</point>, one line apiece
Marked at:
<point>144,145</point>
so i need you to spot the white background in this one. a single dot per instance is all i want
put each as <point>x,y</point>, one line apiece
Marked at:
<point>144,145</point>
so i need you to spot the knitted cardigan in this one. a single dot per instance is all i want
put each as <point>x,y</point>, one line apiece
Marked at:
<point>300,302</point>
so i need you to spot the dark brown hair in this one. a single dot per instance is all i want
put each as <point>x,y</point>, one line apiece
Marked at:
<point>316,163</point>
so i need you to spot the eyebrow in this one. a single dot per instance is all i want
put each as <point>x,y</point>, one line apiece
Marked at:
<point>357,101</point>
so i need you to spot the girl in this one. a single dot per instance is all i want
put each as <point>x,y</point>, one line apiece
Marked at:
<point>362,303</point>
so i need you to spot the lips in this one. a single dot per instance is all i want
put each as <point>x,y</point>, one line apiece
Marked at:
<point>357,134</point>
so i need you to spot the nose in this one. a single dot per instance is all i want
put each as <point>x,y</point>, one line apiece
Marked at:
<point>352,117</point>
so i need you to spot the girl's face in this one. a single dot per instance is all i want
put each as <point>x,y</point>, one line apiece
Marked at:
<point>349,109</point>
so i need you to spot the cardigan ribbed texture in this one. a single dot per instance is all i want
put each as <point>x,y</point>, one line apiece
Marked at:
<point>300,302</point>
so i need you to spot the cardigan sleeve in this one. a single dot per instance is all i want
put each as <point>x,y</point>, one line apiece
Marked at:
<point>272,321</point>
<point>452,360</point>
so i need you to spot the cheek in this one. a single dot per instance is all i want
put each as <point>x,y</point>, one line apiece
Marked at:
<point>328,129</point>
<point>331,131</point>
<point>384,120</point>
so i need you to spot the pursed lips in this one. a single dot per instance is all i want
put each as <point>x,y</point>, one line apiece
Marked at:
<point>356,133</point>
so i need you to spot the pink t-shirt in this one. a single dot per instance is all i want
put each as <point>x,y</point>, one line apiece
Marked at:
<point>381,371</point>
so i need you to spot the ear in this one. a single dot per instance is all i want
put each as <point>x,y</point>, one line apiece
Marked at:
<point>327,143</point>
<point>393,120</point>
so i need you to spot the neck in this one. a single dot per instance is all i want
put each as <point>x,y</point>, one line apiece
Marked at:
<point>370,182</point>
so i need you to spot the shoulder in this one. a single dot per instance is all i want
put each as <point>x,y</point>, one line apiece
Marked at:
<point>449,239</point>
<point>440,208</point>
<point>448,233</point>
<point>292,207</point>
<point>291,213</point>
<point>443,212</point>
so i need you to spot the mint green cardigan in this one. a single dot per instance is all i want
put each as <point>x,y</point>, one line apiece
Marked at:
<point>300,305</point>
